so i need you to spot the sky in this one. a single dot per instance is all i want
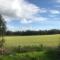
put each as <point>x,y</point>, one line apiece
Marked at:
<point>31,14</point>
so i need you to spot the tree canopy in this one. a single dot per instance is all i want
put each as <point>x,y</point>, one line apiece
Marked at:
<point>2,25</point>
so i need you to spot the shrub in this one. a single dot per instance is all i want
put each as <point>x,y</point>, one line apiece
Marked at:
<point>53,53</point>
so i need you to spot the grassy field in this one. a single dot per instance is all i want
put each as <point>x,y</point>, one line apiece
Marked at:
<point>46,54</point>
<point>46,40</point>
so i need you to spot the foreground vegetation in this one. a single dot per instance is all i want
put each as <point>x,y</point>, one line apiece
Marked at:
<point>43,53</point>
<point>40,47</point>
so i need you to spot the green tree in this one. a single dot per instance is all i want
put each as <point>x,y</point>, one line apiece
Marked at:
<point>2,30</point>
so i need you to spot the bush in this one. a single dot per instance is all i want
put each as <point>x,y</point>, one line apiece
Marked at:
<point>53,53</point>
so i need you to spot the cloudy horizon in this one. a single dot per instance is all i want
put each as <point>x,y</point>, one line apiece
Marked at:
<point>31,14</point>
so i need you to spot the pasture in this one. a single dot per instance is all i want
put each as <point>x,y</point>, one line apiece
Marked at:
<point>46,40</point>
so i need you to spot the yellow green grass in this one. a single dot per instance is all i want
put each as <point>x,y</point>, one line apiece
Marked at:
<point>46,40</point>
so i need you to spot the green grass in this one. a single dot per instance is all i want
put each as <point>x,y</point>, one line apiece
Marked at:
<point>25,56</point>
<point>46,40</point>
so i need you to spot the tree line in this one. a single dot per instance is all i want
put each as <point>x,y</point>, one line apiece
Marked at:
<point>29,32</point>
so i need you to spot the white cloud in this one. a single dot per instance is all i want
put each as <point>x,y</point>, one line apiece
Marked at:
<point>25,21</point>
<point>34,19</point>
<point>40,19</point>
<point>54,11</point>
<point>12,28</point>
<point>57,6</point>
<point>58,1</point>
<point>43,10</point>
<point>19,9</point>
<point>52,15</point>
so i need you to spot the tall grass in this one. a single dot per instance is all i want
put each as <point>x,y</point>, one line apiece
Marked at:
<point>32,53</point>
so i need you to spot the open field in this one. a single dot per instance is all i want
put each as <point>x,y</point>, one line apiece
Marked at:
<point>32,53</point>
<point>46,40</point>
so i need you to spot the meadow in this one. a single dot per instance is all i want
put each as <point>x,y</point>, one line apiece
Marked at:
<point>46,40</point>
<point>32,47</point>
